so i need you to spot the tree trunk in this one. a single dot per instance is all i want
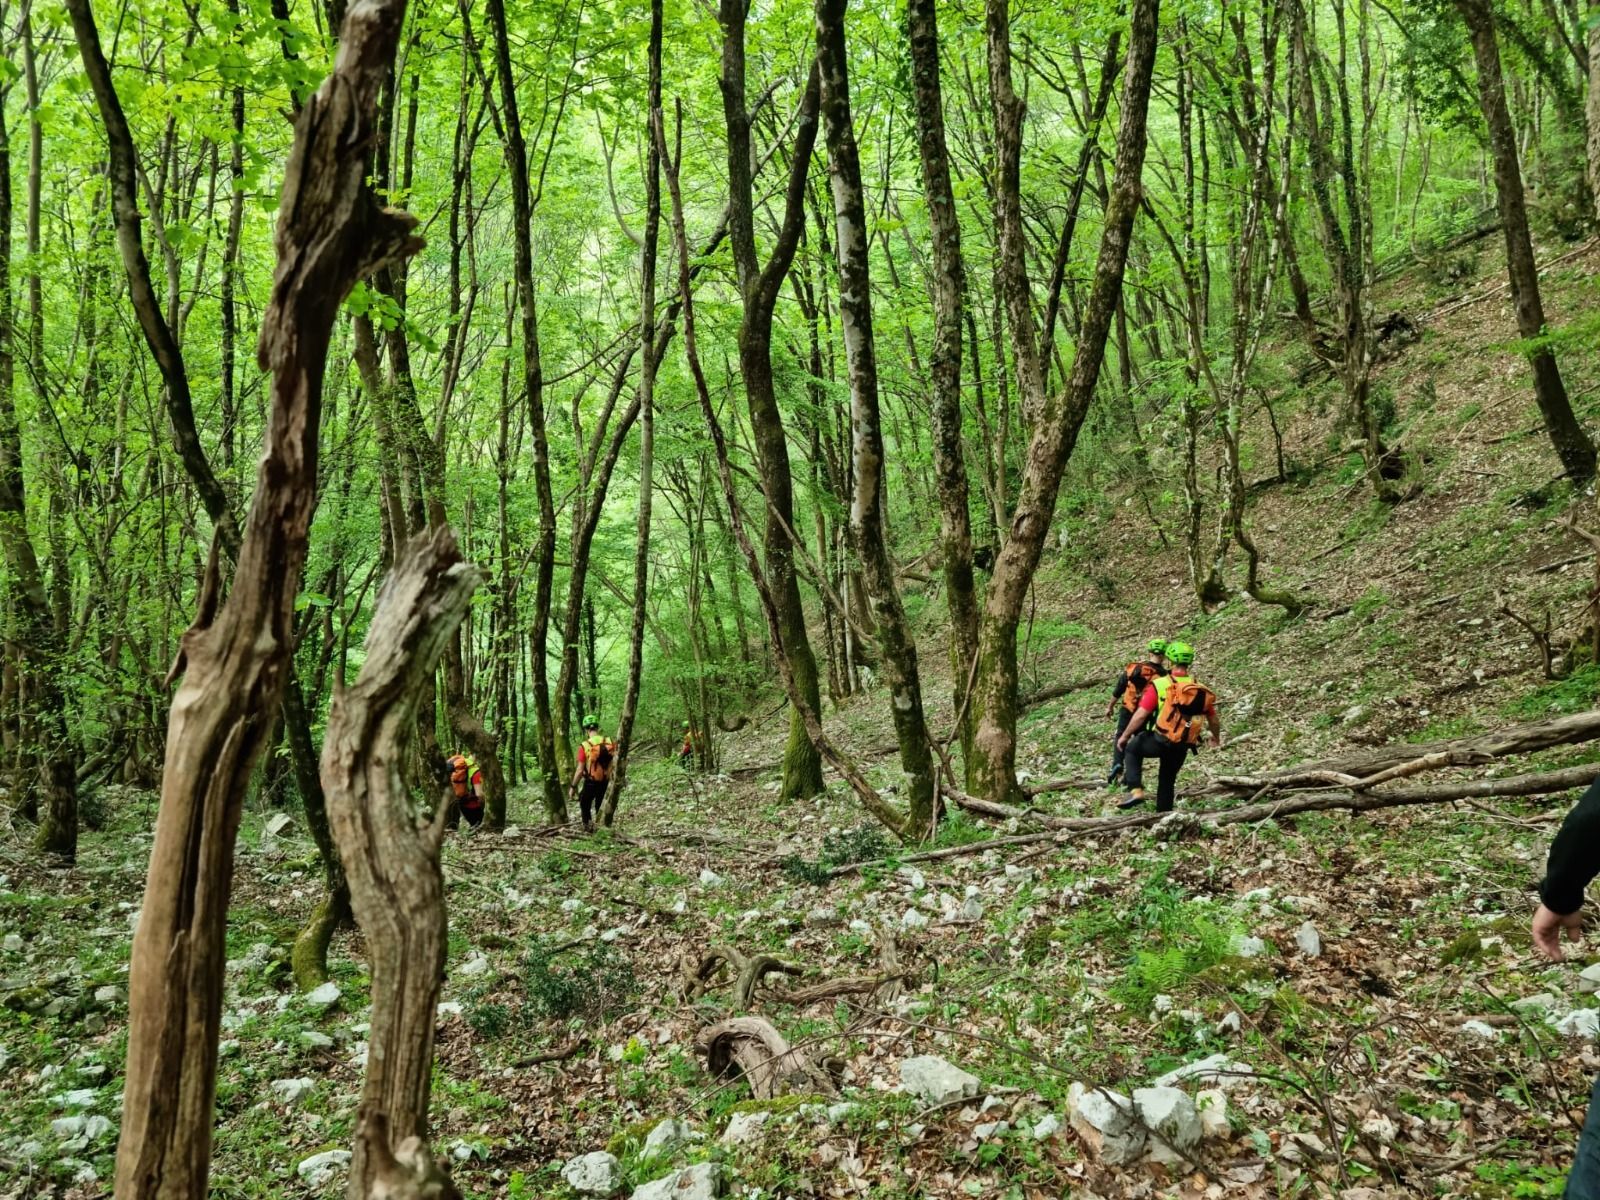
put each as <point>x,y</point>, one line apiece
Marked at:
<point>648,365</point>
<point>32,627</point>
<point>331,232</point>
<point>1573,447</point>
<point>309,957</point>
<point>758,288</point>
<point>555,799</point>
<point>396,884</point>
<point>949,299</point>
<point>866,510</point>
<point>995,693</point>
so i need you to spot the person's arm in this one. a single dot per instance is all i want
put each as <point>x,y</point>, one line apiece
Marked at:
<point>1216,727</point>
<point>1118,689</point>
<point>1141,714</point>
<point>1574,861</point>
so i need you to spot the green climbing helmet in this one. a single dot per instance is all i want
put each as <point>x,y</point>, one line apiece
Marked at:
<point>1156,646</point>
<point>1181,653</point>
<point>591,722</point>
<point>686,724</point>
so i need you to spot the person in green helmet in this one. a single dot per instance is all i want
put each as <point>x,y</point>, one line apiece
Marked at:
<point>1178,709</point>
<point>597,758</point>
<point>1130,685</point>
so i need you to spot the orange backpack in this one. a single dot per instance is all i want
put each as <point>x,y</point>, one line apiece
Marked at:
<point>461,776</point>
<point>597,759</point>
<point>1183,711</point>
<point>1145,673</point>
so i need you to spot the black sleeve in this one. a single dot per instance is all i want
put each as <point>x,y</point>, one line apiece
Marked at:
<point>1574,855</point>
<point>1120,686</point>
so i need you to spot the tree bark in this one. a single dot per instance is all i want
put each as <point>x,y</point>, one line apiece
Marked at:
<point>396,884</point>
<point>758,289</point>
<point>1572,444</point>
<point>949,301</point>
<point>331,232</point>
<point>993,771</point>
<point>867,502</point>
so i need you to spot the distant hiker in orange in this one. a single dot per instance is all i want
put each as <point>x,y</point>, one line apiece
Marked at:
<point>597,756</point>
<point>1180,706</point>
<point>1130,685</point>
<point>466,780</point>
<point>691,744</point>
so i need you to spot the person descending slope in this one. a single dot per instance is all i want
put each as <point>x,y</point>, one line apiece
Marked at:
<point>1130,685</point>
<point>466,781</point>
<point>597,756</point>
<point>1182,708</point>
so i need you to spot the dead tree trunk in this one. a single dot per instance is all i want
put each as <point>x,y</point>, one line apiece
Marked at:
<point>332,231</point>
<point>390,851</point>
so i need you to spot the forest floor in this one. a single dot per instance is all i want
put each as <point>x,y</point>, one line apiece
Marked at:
<point>1422,1051</point>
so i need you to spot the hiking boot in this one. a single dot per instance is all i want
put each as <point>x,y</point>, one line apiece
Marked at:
<point>1114,775</point>
<point>1132,800</point>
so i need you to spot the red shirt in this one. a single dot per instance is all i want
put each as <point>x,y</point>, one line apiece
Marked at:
<point>1150,700</point>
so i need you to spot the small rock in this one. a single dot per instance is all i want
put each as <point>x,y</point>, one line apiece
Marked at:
<point>1580,1022</point>
<point>1303,1147</point>
<point>971,910</point>
<point>990,1129</point>
<point>744,1127</point>
<point>77,1098</point>
<point>823,916</point>
<point>292,1091</point>
<point>1539,1002</point>
<point>709,878</point>
<point>477,965</point>
<point>108,995</point>
<point>1173,1122</point>
<point>914,919</point>
<point>1105,1120</point>
<point>67,1127</point>
<point>323,997</point>
<point>571,906</point>
<point>94,1024</point>
<point>319,1168</point>
<point>597,1174</point>
<point>861,927</point>
<point>97,1127</point>
<point>1212,1105</point>
<point>1480,1029</point>
<point>1231,1023</point>
<point>1249,947</point>
<point>448,1008</point>
<point>313,1039</point>
<point>1161,1003</point>
<point>700,1182</point>
<point>1216,1069</point>
<point>1355,714</point>
<point>934,1081</point>
<point>11,943</point>
<point>93,1072</point>
<point>916,879</point>
<point>1309,940</point>
<point>1021,876</point>
<point>1589,979</point>
<point>1379,1128</point>
<point>1047,1127</point>
<point>838,1112</point>
<point>277,825</point>
<point>666,1137</point>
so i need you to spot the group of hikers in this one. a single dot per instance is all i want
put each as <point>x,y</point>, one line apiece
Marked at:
<point>1163,712</point>
<point>596,761</point>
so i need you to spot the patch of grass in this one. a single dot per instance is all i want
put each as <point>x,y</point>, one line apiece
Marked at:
<point>959,829</point>
<point>1576,692</point>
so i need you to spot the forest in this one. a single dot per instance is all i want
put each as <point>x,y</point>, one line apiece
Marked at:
<point>595,598</point>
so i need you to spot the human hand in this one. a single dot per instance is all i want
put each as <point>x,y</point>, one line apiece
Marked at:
<point>1547,927</point>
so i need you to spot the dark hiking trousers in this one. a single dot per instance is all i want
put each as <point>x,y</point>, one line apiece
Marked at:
<point>592,794</point>
<point>1123,717</point>
<point>1584,1181</point>
<point>1169,760</point>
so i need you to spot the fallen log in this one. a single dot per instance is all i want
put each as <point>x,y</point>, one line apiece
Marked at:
<point>1320,800</point>
<point>1363,764</point>
<point>751,1047</point>
<point>1056,691</point>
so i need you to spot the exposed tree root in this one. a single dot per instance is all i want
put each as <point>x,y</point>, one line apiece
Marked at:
<point>753,1048</point>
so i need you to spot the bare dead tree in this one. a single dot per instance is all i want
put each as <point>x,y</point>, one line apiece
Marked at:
<point>235,656</point>
<point>391,851</point>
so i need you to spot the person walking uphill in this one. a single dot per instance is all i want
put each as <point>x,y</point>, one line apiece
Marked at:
<point>466,781</point>
<point>597,757</point>
<point>1574,862</point>
<point>1179,704</point>
<point>1130,685</point>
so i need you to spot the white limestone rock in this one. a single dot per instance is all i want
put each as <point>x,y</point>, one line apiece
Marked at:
<point>1173,1121</point>
<point>934,1081</point>
<point>666,1137</point>
<point>744,1127</point>
<point>1106,1122</point>
<point>703,1181</point>
<point>597,1174</point>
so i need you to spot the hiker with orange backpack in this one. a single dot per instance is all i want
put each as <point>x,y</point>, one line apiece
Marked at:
<point>1130,685</point>
<point>1179,708</point>
<point>597,756</point>
<point>466,780</point>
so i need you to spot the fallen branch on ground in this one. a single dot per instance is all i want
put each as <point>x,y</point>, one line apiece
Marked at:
<point>751,1047</point>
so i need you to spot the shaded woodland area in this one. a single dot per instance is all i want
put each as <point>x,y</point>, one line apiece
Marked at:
<point>841,391</point>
